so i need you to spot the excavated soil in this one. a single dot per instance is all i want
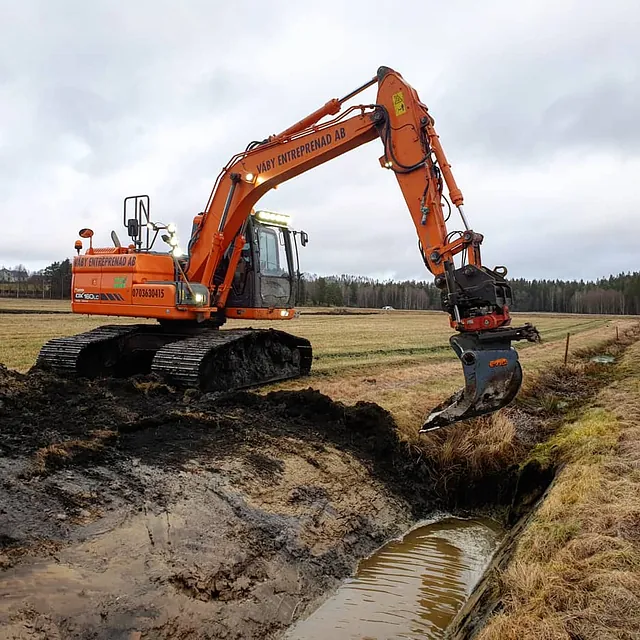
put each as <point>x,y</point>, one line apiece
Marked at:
<point>129,509</point>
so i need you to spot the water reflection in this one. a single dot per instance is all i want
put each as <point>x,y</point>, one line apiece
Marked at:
<point>411,588</point>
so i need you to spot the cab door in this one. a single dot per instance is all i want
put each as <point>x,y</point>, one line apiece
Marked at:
<point>275,266</point>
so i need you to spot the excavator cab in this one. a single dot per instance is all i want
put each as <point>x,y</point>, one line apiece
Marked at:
<point>267,275</point>
<point>268,271</point>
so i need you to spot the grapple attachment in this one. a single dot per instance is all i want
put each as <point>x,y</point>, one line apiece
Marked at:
<point>492,374</point>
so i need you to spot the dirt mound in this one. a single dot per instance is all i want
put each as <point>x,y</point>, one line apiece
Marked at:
<point>63,422</point>
<point>220,515</point>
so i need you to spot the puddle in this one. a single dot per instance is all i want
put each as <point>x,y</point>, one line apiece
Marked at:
<point>410,588</point>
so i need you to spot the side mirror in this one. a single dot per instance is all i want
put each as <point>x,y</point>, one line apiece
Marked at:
<point>304,238</point>
<point>133,228</point>
<point>85,233</point>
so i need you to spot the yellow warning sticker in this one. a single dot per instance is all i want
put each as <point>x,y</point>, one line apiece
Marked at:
<point>398,103</point>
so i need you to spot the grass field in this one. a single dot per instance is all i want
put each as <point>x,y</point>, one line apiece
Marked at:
<point>401,360</point>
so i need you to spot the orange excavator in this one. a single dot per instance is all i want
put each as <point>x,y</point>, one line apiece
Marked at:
<point>243,263</point>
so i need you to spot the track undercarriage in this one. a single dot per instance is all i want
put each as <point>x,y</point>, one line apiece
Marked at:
<point>205,358</point>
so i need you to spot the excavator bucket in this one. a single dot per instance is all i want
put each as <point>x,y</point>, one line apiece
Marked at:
<point>492,374</point>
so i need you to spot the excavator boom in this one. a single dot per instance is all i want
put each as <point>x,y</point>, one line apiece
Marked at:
<point>476,298</point>
<point>229,240</point>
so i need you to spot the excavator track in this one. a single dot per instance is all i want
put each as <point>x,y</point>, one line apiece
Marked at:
<point>208,359</point>
<point>90,354</point>
<point>233,359</point>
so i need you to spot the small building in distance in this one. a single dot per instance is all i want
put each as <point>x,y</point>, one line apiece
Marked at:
<point>13,275</point>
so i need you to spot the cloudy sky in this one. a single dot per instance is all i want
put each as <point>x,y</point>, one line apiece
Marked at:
<point>536,103</point>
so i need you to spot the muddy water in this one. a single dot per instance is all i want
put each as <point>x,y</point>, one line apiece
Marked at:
<point>410,588</point>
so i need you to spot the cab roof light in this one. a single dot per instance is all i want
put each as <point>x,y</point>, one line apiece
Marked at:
<point>271,217</point>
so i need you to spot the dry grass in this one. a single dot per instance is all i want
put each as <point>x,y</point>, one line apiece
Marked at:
<point>151,386</point>
<point>409,385</point>
<point>60,454</point>
<point>576,570</point>
<point>470,451</point>
<point>35,304</point>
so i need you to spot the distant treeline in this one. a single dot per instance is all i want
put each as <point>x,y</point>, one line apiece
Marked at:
<point>614,295</point>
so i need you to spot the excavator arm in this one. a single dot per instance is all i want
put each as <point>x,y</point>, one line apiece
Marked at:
<point>476,298</point>
<point>412,151</point>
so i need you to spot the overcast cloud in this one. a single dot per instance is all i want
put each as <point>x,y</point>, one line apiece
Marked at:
<point>536,103</point>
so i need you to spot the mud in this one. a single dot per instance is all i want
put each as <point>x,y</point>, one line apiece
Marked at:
<point>127,506</point>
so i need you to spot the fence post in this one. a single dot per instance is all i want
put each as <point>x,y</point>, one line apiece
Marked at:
<point>566,350</point>
<point>617,334</point>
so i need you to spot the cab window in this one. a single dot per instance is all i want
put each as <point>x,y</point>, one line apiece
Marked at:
<point>272,256</point>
